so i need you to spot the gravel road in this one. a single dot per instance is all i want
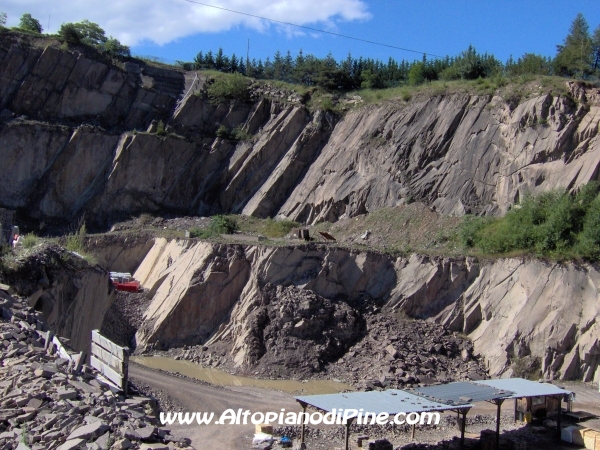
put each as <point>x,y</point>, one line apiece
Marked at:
<point>192,396</point>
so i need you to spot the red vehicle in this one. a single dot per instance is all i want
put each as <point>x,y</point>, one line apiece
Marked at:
<point>124,282</point>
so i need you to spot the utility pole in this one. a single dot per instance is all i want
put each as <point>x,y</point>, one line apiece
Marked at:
<point>248,59</point>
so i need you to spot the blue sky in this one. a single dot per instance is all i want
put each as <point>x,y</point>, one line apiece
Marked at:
<point>438,27</point>
<point>177,30</point>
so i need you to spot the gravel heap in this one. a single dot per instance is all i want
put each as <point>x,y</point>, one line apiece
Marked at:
<point>45,405</point>
<point>124,317</point>
<point>401,353</point>
<point>295,333</point>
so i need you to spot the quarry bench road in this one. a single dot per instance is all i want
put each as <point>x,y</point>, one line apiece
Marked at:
<point>193,396</point>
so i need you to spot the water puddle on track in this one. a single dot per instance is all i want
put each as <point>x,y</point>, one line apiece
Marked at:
<point>220,378</point>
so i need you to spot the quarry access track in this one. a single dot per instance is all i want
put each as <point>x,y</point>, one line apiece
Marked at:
<point>194,396</point>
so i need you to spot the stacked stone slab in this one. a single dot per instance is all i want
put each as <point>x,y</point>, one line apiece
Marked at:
<point>45,405</point>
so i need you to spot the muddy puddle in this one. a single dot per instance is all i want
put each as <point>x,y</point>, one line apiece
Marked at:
<point>220,378</point>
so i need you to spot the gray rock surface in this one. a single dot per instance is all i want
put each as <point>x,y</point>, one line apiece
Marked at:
<point>61,409</point>
<point>513,309</point>
<point>76,150</point>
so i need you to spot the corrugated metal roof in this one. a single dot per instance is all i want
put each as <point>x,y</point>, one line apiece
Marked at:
<point>525,388</point>
<point>461,392</point>
<point>391,401</point>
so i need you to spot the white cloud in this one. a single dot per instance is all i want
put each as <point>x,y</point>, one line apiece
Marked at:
<point>162,21</point>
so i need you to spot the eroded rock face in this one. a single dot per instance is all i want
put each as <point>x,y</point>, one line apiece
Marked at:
<point>252,298</point>
<point>457,153</point>
<point>515,309</point>
<point>72,295</point>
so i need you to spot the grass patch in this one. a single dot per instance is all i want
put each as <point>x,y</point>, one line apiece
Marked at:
<point>225,87</point>
<point>278,228</point>
<point>511,89</point>
<point>75,242</point>
<point>554,224</point>
<point>30,240</point>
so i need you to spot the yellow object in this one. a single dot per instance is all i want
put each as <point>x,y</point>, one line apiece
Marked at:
<point>264,428</point>
<point>527,417</point>
<point>591,439</point>
<point>578,436</point>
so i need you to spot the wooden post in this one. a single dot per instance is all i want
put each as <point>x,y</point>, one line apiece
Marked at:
<point>80,361</point>
<point>516,410</point>
<point>412,434</point>
<point>347,433</point>
<point>499,405</point>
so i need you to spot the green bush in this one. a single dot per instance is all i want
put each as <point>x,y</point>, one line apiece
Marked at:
<point>69,33</point>
<point>229,87</point>
<point>160,128</point>
<point>218,225</point>
<point>469,228</point>
<point>113,47</point>
<point>223,132</point>
<point>240,134</point>
<point>554,223</point>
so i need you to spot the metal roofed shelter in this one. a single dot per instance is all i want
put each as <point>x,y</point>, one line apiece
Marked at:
<point>525,388</point>
<point>392,401</point>
<point>462,392</point>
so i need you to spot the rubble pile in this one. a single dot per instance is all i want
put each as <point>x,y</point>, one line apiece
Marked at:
<point>296,333</point>
<point>296,330</point>
<point>124,317</point>
<point>399,352</point>
<point>47,404</point>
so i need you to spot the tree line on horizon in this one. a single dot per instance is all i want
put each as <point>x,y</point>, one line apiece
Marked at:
<point>578,56</point>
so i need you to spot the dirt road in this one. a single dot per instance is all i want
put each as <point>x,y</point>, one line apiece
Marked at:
<point>206,398</point>
<point>193,396</point>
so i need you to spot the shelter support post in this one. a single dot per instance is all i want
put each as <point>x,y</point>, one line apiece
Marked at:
<point>412,435</point>
<point>516,409</point>
<point>347,433</point>
<point>558,416</point>
<point>304,405</point>
<point>498,402</point>
<point>463,424</point>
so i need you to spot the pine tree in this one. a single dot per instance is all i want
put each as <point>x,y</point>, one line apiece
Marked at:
<point>574,57</point>
<point>219,59</point>
<point>199,61</point>
<point>209,62</point>
<point>596,48</point>
<point>233,64</point>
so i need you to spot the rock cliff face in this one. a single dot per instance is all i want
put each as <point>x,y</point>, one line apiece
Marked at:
<point>72,295</point>
<point>68,146</point>
<point>511,308</point>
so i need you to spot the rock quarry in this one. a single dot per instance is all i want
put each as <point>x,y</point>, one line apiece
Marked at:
<point>78,138</point>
